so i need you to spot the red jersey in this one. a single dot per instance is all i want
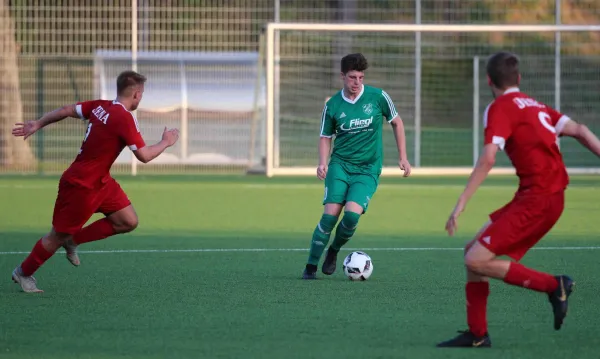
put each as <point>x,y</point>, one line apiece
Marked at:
<point>527,130</point>
<point>111,127</point>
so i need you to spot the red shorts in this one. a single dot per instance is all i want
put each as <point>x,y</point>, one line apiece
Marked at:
<point>75,204</point>
<point>520,224</point>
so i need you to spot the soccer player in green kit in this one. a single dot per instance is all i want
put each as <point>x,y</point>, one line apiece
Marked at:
<point>355,116</point>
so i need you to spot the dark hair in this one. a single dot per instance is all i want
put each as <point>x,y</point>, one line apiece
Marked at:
<point>503,69</point>
<point>354,62</point>
<point>127,79</point>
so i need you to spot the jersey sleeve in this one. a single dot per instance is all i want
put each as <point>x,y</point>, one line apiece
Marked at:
<point>498,126</point>
<point>327,123</point>
<point>130,133</point>
<point>84,109</point>
<point>387,106</point>
<point>557,119</point>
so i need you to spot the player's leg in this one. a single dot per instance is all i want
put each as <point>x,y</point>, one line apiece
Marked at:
<point>344,231</point>
<point>515,229</point>
<point>360,192</point>
<point>120,217</point>
<point>477,290</point>
<point>558,288</point>
<point>336,187</point>
<point>43,250</point>
<point>122,221</point>
<point>347,226</point>
<point>471,276</point>
<point>513,234</point>
<point>320,238</point>
<point>482,261</point>
<point>73,207</point>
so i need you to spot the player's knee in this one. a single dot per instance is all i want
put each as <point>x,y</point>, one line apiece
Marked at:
<point>126,224</point>
<point>130,223</point>
<point>468,246</point>
<point>54,240</point>
<point>58,238</point>
<point>475,265</point>
<point>327,223</point>
<point>125,220</point>
<point>350,220</point>
<point>333,209</point>
<point>352,206</point>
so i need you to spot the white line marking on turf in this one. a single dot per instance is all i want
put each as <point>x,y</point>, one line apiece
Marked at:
<point>258,186</point>
<point>232,250</point>
<point>190,186</point>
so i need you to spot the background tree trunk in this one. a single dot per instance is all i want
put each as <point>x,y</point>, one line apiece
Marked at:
<point>14,152</point>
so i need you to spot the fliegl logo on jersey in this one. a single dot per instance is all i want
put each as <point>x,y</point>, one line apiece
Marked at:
<point>356,124</point>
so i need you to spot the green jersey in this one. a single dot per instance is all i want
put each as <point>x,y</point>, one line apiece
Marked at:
<point>358,128</point>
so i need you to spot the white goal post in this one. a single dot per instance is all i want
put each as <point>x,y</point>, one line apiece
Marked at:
<point>437,81</point>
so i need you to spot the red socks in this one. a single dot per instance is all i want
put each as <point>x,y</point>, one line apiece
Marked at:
<point>519,275</point>
<point>522,276</point>
<point>36,258</point>
<point>98,230</point>
<point>477,294</point>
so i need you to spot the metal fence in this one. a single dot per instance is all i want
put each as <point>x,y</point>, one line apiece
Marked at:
<point>58,52</point>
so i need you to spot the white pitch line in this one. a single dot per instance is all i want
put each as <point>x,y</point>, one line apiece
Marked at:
<point>190,186</point>
<point>233,250</point>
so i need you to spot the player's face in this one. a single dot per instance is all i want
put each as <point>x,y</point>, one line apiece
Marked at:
<point>353,81</point>
<point>137,96</point>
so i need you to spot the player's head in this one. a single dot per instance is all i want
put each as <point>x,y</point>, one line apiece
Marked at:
<point>130,88</point>
<point>353,72</point>
<point>503,71</point>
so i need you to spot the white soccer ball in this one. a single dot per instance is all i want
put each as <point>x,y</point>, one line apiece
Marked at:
<point>358,266</point>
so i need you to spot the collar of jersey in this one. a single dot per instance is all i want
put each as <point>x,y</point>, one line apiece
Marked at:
<point>511,90</point>
<point>357,97</point>
<point>117,102</point>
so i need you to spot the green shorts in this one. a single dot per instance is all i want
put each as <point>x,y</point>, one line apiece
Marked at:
<point>342,186</point>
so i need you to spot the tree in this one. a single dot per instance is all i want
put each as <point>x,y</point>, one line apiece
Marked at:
<point>14,152</point>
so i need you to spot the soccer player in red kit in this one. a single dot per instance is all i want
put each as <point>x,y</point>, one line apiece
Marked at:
<point>527,130</point>
<point>86,187</point>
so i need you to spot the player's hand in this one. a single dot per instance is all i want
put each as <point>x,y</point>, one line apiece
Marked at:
<point>405,166</point>
<point>452,222</point>
<point>25,129</point>
<point>321,172</point>
<point>170,136</point>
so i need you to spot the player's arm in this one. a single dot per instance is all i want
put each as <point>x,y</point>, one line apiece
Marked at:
<point>581,133</point>
<point>324,150</point>
<point>484,165</point>
<point>327,131</point>
<point>498,129</point>
<point>478,175</point>
<point>58,115</point>
<point>147,153</point>
<point>389,111</point>
<point>26,129</point>
<point>400,136</point>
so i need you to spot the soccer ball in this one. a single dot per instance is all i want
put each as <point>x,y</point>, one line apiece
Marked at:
<point>358,266</point>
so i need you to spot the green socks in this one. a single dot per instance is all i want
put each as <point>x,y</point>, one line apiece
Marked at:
<point>345,230</point>
<point>320,238</point>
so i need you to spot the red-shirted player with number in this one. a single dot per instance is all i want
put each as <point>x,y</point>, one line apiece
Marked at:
<point>527,130</point>
<point>86,187</point>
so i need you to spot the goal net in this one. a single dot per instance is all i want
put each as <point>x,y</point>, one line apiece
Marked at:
<point>435,74</point>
